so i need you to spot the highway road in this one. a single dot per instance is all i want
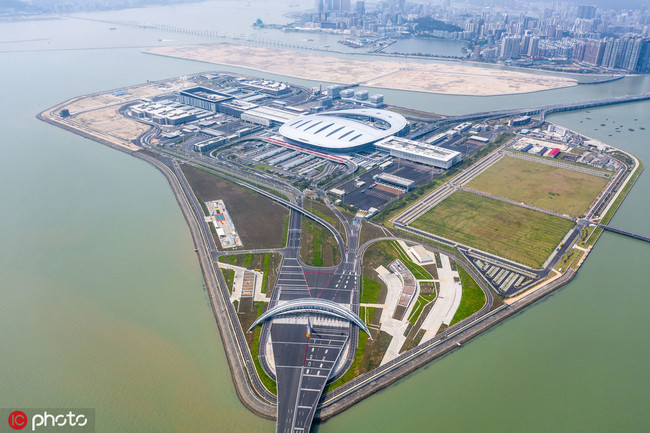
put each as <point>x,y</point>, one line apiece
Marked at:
<point>307,348</point>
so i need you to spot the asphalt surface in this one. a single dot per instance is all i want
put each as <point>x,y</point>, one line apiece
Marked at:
<point>303,364</point>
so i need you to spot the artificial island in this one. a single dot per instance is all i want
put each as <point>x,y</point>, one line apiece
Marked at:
<point>346,242</point>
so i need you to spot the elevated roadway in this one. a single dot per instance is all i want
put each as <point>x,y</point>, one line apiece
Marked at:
<point>543,111</point>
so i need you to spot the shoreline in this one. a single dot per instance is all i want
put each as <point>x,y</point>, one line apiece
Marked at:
<point>362,386</point>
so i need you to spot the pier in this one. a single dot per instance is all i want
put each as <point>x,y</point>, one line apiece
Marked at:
<point>623,232</point>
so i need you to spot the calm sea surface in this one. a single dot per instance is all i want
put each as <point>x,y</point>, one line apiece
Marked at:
<point>102,302</point>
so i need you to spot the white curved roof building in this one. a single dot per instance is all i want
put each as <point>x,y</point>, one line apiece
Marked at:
<point>344,130</point>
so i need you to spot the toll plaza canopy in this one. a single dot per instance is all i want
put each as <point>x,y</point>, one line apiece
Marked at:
<point>311,305</point>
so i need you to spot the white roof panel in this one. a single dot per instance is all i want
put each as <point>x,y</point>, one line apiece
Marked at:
<point>344,129</point>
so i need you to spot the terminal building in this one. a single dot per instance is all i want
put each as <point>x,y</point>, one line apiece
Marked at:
<point>344,130</point>
<point>419,152</point>
<point>222,102</point>
<point>204,98</point>
<point>167,112</point>
<point>270,87</point>
<point>268,116</point>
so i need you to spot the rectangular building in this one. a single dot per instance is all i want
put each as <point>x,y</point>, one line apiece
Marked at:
<point>395,181</point>
<point>204,98</point>
<point>268,116</point>
<point>419,152</point>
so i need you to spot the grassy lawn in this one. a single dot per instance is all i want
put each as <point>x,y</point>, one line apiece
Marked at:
<point>369,232</point>
<point>510,231</point>
<point>472,300</point>
<point>265,270</point>
<point>266,380</point>
<point>369,290</point>
<point>367,314</point>
<point>229,276</point>
<point>320,209</point>
<point>570,259</point>
<point>553,188</point>
<point>318,246</point>
<point>285,232</point>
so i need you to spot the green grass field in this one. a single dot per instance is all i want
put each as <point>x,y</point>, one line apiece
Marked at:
<point>509,231</point>
<point>318,245</point>
<point>472,300</point>
<point>544,186</point>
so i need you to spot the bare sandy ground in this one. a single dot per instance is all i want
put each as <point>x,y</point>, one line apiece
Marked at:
<point>96,115</point>
<point>109,121</point>
<point>444,78</point>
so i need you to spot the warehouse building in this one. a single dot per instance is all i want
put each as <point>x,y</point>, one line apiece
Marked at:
<point>419,152</point>
<point>394,181</point>
<point>204,98</point>
<point>167,112</point>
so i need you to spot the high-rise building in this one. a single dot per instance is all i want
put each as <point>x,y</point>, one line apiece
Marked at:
<point>586,12</point>
<point>525,43</point>
<point>361,7</point>
<point>533,48</point>
<point>510,47</point>
<point>607,54</point>
<point>594,51</point>
<point>643,64</point>
<point>579,51</point>
<point>632,52</point>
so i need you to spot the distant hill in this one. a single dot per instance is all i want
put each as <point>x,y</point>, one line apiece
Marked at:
<point>428,24</point>
<point>17,6</point>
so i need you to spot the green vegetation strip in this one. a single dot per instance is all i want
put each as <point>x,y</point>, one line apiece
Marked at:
<point>265,270</point>
<point>266,380</point>
<point>418,271</point>
<point>472,299</point>
<point>229,276</point>
<point>313,244</point>
<point>507,230</point>
<point>285,233</point>
<point>420,303</point>
<point>369,290</point>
